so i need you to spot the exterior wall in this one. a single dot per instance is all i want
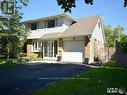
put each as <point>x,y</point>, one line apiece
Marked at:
<point>27,25</point>
<point>41,24</point>
<point>92,48</point>
<point>60,48</point>
<point>66,21</point>
<point>98,32</point>
<point>60,21</point>
<point>87,49</point>
<point>29,48</point>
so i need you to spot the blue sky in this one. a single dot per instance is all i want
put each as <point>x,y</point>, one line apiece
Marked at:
<point>112,11</point>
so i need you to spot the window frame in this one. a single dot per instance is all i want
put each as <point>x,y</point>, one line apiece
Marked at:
<point>49,21</point>
<point>35,27</point>
<point>36,46</point>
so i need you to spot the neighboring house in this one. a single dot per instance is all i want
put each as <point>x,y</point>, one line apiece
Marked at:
<point>63,38</point>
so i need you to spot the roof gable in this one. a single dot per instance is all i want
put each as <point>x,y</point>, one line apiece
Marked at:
<point>84,26</point>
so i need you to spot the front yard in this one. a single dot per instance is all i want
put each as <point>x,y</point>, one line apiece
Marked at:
<point>96,81</point>
<point>93,82</point>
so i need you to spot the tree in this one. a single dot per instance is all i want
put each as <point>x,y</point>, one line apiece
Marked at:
<point>12,34</point>
<point>112,34</point>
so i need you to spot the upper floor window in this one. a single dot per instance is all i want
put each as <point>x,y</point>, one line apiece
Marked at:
<point>33,26</point>
<point>50,23</point>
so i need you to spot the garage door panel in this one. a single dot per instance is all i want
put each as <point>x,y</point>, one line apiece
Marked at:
<point>73,51</point>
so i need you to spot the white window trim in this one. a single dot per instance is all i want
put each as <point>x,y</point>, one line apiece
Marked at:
<point>49,20</point>
<point>37,49</point>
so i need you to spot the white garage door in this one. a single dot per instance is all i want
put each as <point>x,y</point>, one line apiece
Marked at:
<point>73,51</point>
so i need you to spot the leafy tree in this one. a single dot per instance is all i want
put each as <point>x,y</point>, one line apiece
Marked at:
<point>123,43</point>
<point>12,34</point>
<point>112,34</point>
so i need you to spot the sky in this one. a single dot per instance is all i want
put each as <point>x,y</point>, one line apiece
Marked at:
<point>112,11</point>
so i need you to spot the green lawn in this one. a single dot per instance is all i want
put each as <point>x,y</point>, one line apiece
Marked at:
<point>95,82</point>
<point>1,60</point>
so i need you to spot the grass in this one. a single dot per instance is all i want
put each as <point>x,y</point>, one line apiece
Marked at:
<point>95,82</point>
<point>3,63</point>
<point>110,64</point>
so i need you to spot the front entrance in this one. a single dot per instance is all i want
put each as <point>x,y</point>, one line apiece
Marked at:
<point>50,49</point>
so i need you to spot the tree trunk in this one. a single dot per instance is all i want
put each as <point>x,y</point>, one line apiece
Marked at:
<point>108,53</point>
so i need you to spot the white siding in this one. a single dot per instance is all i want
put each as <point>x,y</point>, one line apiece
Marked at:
<point>67,21</point>
<point>98,33</point>
<point>41,25</point>
<point>59,22</point>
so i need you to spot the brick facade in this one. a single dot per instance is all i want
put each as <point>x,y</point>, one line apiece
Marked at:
<point>29,48</point>
<point>87,49</point>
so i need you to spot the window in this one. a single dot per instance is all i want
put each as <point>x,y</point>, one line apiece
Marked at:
<point>37,46</point>
<point>33,26</point>
<point>51,23</point>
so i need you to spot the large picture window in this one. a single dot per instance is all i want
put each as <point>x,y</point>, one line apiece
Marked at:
<point>37,46</point>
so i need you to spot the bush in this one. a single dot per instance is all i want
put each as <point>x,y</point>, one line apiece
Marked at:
<point>123,46</point>
<point>10,61</point>
<point>33,56</point>
<point>22,60</point>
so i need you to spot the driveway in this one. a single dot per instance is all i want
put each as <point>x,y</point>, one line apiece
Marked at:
<point>26,79</point>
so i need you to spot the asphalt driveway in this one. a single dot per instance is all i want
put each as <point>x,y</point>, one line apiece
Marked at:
<point>26,79</point>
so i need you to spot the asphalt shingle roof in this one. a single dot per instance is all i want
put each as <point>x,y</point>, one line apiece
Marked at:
<point>84,26</point>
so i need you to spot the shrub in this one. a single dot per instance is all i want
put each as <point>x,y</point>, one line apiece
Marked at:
<point>9,61</point>
<point>22,60</point>
<point>123,46</point>
<point>34,56</point>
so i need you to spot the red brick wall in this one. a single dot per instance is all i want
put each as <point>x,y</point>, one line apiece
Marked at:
<point>29,47</point>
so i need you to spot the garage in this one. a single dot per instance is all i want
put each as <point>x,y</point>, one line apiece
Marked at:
<point>73,51</point>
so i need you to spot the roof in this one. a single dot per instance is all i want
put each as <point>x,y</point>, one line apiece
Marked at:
<point>84,26</point>
<point>46,33</point>
<point>50,35</point>
<point>49,17</point>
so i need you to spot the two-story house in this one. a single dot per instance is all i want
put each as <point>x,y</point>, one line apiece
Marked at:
<point>63,38</point>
